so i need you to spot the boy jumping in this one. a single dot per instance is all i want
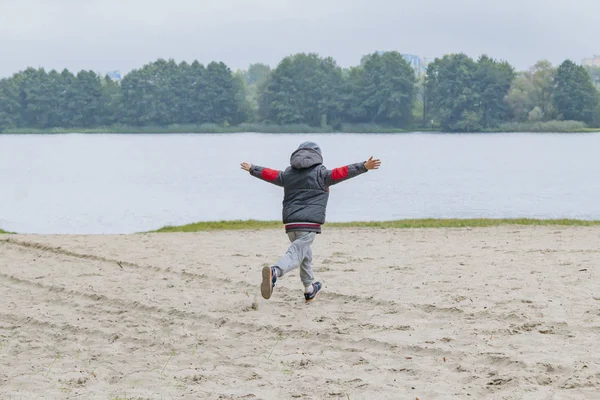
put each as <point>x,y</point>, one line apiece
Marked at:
<point>306,192</point>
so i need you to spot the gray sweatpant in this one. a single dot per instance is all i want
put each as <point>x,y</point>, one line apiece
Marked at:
<point>299,254</point>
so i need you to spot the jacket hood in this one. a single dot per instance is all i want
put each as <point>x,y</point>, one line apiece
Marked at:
<point>307,155</point>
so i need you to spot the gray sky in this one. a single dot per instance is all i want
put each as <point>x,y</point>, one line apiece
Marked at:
<point>103,35</point>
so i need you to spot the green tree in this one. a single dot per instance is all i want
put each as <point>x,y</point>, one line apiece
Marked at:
<point>257,74</point>
<point>533,89</point>
<point>246,97</point>
<point>34,97</point>
<point>452,97</point>
<point>194,110</point>
<point>596,120</point>
<point>88,99</point>
<point>225,100</point>
<point>55,87</point>
<point>137,95</point>
<point>67,99</point>
<point>10,106</point>
<point>304,88</point>
<point>492,80</point>
<point>384,90</point>
<point>520,98</point>
<point>575,97</point>
<point>111,98</point>
<point>353,108</point>
<point>464,95</point>
<point>542,77</point>
<point>254,83</point>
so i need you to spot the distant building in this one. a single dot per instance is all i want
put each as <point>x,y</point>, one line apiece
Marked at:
<point>418,64</point>
<point>425,61</point>
<point>592,62</point>
<point>114,75</point>
<point>414,61</point>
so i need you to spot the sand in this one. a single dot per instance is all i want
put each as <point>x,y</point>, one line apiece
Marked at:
<point>489,313</point>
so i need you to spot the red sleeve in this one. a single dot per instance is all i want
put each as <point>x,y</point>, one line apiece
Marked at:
<point>269,174</point>
<point>339,173</point>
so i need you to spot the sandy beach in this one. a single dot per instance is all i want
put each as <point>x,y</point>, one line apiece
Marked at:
<point>489,313</point>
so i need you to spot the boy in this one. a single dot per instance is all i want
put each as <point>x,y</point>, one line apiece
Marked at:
<point>306,191</point>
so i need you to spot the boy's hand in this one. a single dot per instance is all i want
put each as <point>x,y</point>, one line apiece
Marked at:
<point>246,166</point>
<point>372,164</point>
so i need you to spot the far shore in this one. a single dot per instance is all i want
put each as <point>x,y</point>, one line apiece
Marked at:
<point>544,127</point>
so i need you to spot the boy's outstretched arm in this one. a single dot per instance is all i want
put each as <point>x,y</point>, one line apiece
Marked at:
<point>341,174</point>
<point>266,174</point>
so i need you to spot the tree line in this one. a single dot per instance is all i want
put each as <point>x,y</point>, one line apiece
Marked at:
<point>456,94</point>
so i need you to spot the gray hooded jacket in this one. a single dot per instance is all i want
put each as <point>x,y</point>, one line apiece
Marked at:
<point>306,186</point>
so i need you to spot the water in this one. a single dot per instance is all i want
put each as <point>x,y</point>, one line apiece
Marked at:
<point>133,183</point>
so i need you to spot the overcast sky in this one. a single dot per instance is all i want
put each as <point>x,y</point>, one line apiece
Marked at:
<point>103,35</point>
